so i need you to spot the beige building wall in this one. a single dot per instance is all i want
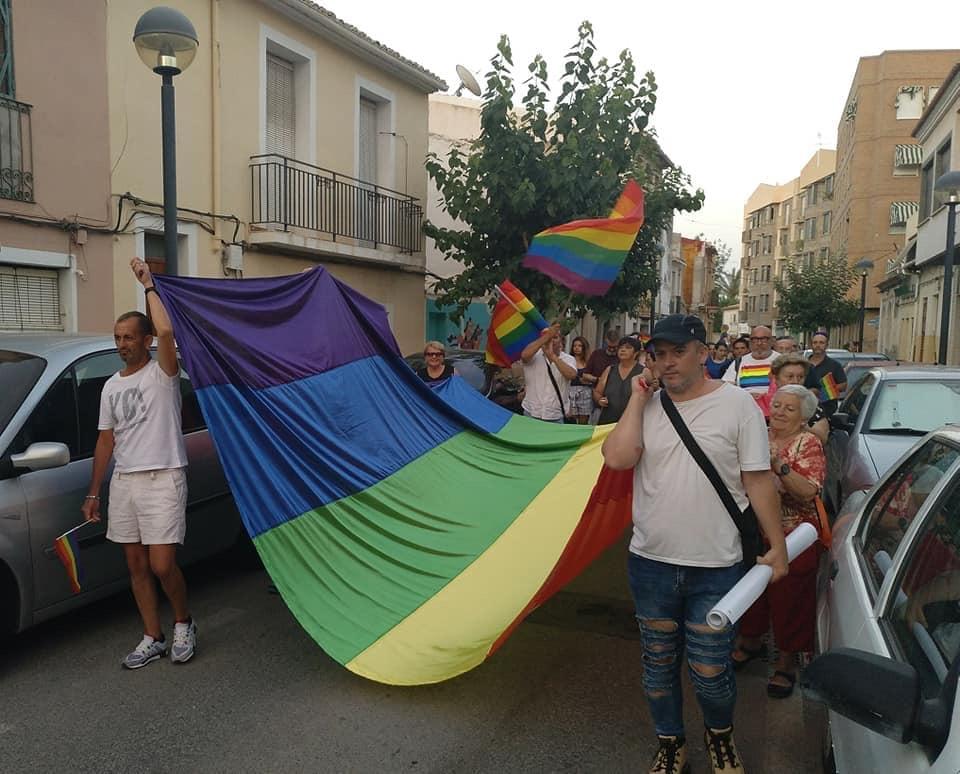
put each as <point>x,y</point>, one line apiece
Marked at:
<point>67,128</point>
<point>873,122</point>
<point>220,126</point>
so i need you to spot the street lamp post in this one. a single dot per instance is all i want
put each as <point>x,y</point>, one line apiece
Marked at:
<point>949,185</point>
<point>864,265</point>
<point>167,43</point>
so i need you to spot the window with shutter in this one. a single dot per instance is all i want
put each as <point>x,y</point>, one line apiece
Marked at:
<point>29,299</point>
<point>368,141</point>
<point>281,108</point>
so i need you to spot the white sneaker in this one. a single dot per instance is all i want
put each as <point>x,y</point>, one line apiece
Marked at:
<point>148,650</point>
<point>184,642</point>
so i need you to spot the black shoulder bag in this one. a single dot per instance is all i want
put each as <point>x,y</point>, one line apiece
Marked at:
<point>563,411</point>
<point>746,521</point>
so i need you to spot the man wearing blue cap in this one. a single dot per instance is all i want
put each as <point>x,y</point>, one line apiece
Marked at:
<point>687,551</point>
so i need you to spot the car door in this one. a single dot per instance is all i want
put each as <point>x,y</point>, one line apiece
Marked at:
<point>839,440</point>
<point>873,597</point>
<point>68,413</point>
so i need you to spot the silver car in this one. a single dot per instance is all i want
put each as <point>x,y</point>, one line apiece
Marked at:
<point>49,407</point>
<point>888,619</point>
<point>881,417</point>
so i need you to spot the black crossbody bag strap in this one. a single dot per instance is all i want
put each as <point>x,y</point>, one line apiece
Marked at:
<point>553,381</point>
<point>746,521</point>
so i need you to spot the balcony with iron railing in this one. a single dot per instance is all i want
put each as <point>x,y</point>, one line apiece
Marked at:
<point>292,196</point>
<point>16,151</point>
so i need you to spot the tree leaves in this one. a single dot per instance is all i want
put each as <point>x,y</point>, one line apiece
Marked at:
<point>815,297</point>
<point>543,165</point>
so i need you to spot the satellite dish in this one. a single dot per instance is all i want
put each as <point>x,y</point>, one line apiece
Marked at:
<point>467,81</point>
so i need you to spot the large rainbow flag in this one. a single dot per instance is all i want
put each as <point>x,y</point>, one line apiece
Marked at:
<point>408,530</point>
<point>514,324</point>
<point>586,255</point>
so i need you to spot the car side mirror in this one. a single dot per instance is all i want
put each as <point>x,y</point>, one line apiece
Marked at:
<point>42,456</point>
<point>880,694</point>
<point>840,421</point>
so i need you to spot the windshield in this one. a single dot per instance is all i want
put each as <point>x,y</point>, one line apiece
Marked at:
<point>18,373</point>
<point>914,406</point>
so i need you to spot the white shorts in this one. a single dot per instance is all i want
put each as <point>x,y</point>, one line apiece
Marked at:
<point>148,507</point>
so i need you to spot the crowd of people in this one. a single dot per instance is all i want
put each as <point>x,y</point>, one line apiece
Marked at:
<point>720,436</point>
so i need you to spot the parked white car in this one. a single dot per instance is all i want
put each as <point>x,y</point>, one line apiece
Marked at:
<point>888,619</point>
<point>49,408</point>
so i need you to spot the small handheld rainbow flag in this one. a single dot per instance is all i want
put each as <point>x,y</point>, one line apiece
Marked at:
<point>755,375</point>
<point>586,255</point>
<point>67,547</point>
<point>514,324</point>
<point>829,387</point>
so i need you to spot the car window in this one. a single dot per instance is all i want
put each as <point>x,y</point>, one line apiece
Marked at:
<point>91,374</point>
<point>853,403</point>
<point>18,373</point>
<point>894,507</point>
<point>925,610</point>
<point>914,405</point>
<point>53,419</point>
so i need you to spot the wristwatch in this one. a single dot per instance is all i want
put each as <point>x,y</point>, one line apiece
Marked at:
<point>783,470</point>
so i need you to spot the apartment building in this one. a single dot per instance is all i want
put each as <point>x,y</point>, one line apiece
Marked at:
<point>56,257</point>
<point>300,142</point>
<point>789,224</point>
<point>768,226</point>
<point>911,293</point>
<point>878,164</point>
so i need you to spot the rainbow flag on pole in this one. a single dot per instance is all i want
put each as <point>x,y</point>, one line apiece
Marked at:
<point>514,324</point>
<point>586,255</point>
<point>67,548</point>
<point>829,387</point>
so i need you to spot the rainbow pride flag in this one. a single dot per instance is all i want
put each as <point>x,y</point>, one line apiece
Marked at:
<point>755,375</point>
<point>586,255</point>
<point>409,530</point>
<point>67,548</point>
<point>829,387</point>
<point>515,323</point>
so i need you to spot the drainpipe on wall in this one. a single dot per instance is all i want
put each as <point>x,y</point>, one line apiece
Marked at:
<point>215,118</point>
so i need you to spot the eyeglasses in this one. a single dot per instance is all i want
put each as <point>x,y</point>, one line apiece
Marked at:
<point>759,338</point>
<point>433,354</point>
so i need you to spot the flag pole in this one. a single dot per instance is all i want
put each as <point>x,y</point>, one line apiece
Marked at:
<point>72,529</point>
<point>507,298</point>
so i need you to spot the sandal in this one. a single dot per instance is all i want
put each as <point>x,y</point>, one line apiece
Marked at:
<point>751,654</point>
<point>776,691</point>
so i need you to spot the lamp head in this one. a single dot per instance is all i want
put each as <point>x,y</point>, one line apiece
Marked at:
<point>864,265</point>
<point>948,184</point>
<point>166,40</point>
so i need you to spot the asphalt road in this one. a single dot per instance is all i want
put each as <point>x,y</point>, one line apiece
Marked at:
<point>563,694</point>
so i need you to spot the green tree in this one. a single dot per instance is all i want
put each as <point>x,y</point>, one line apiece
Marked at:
<point>814,298</point>
<point>542,165</point>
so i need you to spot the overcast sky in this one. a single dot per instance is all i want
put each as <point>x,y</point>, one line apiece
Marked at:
<point>747,89</point>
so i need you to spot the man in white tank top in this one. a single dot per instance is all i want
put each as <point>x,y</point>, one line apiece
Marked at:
<point>686,550</point>
<point>140,429</point>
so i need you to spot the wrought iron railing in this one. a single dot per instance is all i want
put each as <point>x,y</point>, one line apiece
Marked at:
<point>16,151</point>
<point>289,193</point>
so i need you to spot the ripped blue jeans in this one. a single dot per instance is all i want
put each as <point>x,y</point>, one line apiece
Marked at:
<point>672,602</point>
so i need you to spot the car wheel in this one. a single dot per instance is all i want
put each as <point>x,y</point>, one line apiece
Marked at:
<point>9,603</point>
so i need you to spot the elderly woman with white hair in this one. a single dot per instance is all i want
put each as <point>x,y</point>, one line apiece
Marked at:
<point>789,606</point>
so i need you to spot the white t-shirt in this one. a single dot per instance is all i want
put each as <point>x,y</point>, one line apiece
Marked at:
<point>143,410</point>
<point>678,516</point>
<point>754,375</point>
<point>540,399</point>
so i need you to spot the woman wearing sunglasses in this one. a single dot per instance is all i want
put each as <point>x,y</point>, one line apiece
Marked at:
<point>435,367</point>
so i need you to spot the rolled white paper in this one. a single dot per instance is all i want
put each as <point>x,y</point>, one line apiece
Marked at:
<point>736,601</point>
